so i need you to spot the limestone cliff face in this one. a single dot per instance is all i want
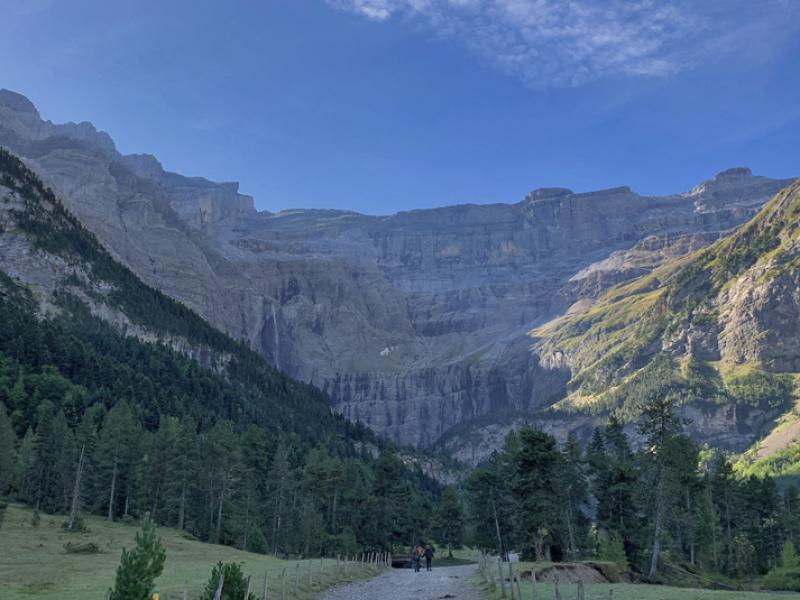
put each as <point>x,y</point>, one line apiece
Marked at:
<point>720,329</point>
<point>414,323</point>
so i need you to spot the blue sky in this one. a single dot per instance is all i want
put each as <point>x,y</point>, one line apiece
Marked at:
<point>386,105</point>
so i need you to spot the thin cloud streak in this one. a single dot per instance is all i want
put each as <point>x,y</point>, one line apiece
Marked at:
<point>566,43</point>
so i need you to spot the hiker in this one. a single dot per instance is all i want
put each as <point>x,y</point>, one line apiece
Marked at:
<point>415,556</point>
<point>428,557</point>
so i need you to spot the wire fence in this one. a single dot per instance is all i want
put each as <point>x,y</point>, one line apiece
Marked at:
<point>293,580</point>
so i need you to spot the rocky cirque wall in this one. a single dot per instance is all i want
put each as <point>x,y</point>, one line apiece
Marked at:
<point>414,323</point>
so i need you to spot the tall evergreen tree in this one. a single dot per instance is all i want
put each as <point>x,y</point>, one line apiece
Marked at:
<point>574,485</point>
<point>7,451</point>
<point>449,520</point>
<point>490,505</point>
<point>278,485</point>
<point>182,463</point>
<point>538,494</point>
<point>395,506</point>
<point>661,429</point>
<point>116,454</point>
<point>224,464</point>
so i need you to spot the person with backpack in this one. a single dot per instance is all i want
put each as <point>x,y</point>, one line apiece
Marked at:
<point>428,557</point>
<point>415,557</point>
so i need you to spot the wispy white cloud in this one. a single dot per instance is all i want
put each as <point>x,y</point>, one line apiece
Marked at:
<point>560,43</point>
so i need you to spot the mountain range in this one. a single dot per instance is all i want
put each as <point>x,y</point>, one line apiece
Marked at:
<point>448,327</point>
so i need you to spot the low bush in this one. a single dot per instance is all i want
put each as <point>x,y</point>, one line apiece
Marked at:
<point>82,548</point>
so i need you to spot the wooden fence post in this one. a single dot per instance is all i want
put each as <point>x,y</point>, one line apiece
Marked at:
<point>511,579</point>
<point>247,589</point>
<point>555,585</point>
<point>533,584</point>
<point>264,591</point>
<point>283,584</point>
<point>218,593</point>
<point>185,590</point>
<point>296,577</point>
<point>502,579</point>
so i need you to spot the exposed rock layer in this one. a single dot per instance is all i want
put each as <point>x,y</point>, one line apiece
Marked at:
<point>414,323</point>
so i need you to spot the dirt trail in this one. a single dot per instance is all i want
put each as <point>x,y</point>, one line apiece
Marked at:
<point>404,584</point>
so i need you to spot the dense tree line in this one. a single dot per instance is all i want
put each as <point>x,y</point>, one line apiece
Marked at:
<point>667,508</point>
<point>210,453</point>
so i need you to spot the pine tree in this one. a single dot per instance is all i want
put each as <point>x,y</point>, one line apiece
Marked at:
<point>24,480</point>
<point>573,483</point>
<point>278,486</point>
<point>449,520</point>
<point>726,497</point>
<point>490,505</point>
<point>224,464</point>
<point>395,503</point>
<point>791,514</point>
<point>182,463</point>
<point>117,451</point>
<point>660,426</point>
<point>789,558</point>
<point>255,463</point>
<point>234,583</point>
<point>537,492</point>
<point>52,472</point>
<point>139,568</point>
<point>709,532</point>
<point>7,451</point>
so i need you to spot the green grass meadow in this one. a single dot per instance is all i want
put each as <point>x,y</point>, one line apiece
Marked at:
<point>618,591</point>
<point>34,564</point>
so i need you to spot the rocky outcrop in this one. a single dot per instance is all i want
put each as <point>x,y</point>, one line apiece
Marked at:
<point>719,329</point>
<point>414,323</point>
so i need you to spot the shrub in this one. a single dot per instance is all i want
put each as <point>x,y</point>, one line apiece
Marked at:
<point>82,548</point>
<point>78,526</point>
<point>789,558</point>
<point>784,579</point>
<point>139,568</point>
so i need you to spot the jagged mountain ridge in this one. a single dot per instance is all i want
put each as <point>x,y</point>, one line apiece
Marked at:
<point>414,323</point>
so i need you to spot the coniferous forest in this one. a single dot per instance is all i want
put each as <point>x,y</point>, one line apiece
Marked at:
<point>667,509</point>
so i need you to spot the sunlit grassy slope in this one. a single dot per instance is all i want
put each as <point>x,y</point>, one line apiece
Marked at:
<point>34,564</point>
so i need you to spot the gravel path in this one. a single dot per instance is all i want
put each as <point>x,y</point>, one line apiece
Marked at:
<point>404,584</point>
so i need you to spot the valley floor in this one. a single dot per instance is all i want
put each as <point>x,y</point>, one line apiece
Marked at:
<point>34,563</point>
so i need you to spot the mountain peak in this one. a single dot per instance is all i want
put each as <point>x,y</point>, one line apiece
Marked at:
<point>17,102</point>
<point>548,192</point>
<point>734,173</point>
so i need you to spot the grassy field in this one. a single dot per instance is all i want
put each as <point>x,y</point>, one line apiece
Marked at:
<point>623,591</point>
<point>33,563</point>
